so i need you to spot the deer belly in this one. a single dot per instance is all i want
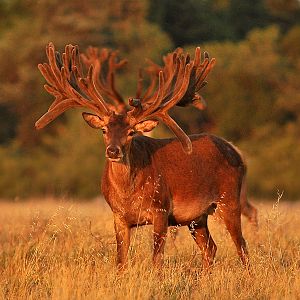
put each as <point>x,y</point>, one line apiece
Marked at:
<point>186,210</point>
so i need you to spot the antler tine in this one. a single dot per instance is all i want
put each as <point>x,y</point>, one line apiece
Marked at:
<point>182,89</point>
<point>112,67</point>
<point>197,58</point>
<point>171,90</point>
<point>87,85</point>
<point>68,85</point>
<point>105,65</point>
<point>181,135</point>
<point>197,80</point>
<point>73,78</point>
<point>53,67</point>
<point>76,60</point>
<point>179,82</point>
<point>153,70</point>
<point>159,97</point>
<point>172,62</point>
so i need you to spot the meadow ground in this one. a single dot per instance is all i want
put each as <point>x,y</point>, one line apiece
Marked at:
<point>63,250</point>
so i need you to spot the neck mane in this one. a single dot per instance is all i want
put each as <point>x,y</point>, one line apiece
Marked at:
<point>137,158</point>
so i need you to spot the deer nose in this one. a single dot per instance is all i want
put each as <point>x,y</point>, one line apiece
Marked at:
<point>113,151</point>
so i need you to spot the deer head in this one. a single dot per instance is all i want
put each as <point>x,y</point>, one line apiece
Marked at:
<point>176,83</point>
<point>118,132</point>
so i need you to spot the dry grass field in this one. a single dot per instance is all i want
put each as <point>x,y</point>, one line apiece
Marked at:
<point>64,250</point>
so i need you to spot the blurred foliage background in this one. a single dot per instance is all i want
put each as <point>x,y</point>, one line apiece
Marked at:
<point>253,93</point>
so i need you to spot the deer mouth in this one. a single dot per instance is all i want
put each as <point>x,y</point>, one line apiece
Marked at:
<point>115,159</point>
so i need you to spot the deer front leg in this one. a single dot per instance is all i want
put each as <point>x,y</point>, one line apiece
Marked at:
<point>123,241</point>
<point>160,228</point>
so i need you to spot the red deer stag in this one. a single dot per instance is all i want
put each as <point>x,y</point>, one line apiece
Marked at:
<point>164,182</point>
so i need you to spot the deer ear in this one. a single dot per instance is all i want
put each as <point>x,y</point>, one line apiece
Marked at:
<point>146,126</point>
<point>93,120</point>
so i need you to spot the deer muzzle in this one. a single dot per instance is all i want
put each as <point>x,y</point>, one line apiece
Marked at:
<point>114,153</point>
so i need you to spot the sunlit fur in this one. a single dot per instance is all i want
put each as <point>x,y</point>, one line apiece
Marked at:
<point>156,182</point>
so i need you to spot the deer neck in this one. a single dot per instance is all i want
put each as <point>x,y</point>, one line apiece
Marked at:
<point>120,175</point>
<point>119,171</point>
<point>129,175</point>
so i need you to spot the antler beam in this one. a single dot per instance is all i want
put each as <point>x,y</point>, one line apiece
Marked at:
<point>105,64</point>
<point>68,85</point>
<point>179,82</point>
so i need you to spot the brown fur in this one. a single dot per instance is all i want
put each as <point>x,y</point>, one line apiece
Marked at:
<point>150,181</point>
<point>157,183</point>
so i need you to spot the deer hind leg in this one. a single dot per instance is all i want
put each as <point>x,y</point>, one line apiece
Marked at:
<point>231,214</point>
<point>203,239</point>
<point>122,231</point>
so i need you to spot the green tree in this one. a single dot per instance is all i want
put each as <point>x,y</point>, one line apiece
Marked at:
<point>286,13</point>
<point>243,86</point>
<point>289,97</point>
<point>253,98</point>
<point>247,15</point>
<point>192,21</point>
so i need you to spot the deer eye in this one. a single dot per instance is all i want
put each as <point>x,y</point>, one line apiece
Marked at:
<point>131,132</point>
<point>104,130</point>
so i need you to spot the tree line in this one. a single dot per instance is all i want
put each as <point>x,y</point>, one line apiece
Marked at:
<point>253,93</point>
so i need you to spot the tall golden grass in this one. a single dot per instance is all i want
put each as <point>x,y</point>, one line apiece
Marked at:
<point>65,250</point>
